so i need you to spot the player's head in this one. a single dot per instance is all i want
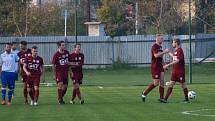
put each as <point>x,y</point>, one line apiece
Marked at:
<point>77,47</point>
<point>34,51</point>
<point>159,39</point>
<point>8,47</point>
<point>176,42</point>
<point>23,45</point>
<point>61,45</point>
<point>13,47</point>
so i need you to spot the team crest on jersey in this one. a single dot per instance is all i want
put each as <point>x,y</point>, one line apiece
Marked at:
<point>67,55</point>
<point>26,54</point>
<point>79,58</point>
<point>37,61</point>
<point>181,78</point>
<point>76,58</point>
<point>34,61</point>
<point>156,76</point>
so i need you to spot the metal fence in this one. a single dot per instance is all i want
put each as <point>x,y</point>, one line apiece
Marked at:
<point>105,50</point>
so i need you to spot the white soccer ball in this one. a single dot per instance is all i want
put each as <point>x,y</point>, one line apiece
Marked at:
<point>191,95</point>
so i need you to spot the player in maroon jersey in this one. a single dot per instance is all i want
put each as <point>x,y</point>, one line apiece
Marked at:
<point>178,71</point>
<point>61,69</point>
<point>157,70</point>
<point>24,52</point>
<point>76,75</point>
<point>33,67</point>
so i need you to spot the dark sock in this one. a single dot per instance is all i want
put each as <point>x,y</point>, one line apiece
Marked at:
<point>168,93</point>
<point>186,93</point>
<point>161,91</point>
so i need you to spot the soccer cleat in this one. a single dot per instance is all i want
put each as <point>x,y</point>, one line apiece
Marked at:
<point>160,100</point>
<point>143,97</point>
<point>32,103</point>
<point>3,102</point>
<point>186,101</point>
<point>72,102</point>
<point>61,102</point>
<point>8,103</point>
<point>35,104</point>
<point>82,101</point>
<point>163,101</point>
<point>26,102</point>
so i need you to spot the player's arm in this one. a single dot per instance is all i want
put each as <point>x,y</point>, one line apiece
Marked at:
<point>43,73</point>
<point>54,66</point>
<point>160,54</point>
<point>170,54</point>
<point>25,69</point>
<point>172,63</point>
<point>0,65</point>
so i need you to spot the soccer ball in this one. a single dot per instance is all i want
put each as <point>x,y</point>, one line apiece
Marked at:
<point>191,95</point>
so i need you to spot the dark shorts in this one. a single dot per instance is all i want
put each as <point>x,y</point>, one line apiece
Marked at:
<point>33,81</point>
<point>62,78</point>
<point>77,78</point>
<point>156,73</point>
<point>178,77</point>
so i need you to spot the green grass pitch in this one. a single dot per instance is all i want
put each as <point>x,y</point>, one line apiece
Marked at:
<point>114,95</point>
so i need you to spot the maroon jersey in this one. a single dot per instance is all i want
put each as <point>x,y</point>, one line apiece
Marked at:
<point>77,58</point>
<point>157,63</point>
<point>22,55</point>
<point>34,65</point>
<point>180,66</point>
<point>60,60</point>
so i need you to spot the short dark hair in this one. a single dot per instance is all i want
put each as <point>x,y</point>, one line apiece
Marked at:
<point>60,42</point>
<point>76,44</point>
<point>8,43</point>
<point>34,47</point>
<point>23,43</point>
<point>177,40</point>
<point>14,43</point>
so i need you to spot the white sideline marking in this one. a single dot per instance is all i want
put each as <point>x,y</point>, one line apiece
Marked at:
<point>194,112</point>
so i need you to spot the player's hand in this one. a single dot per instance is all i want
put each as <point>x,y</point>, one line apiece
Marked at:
<point>166,67</point>
<point>28,73</point>
<point>71,75</point>
<point>166,50</point>
<point>54,77</point>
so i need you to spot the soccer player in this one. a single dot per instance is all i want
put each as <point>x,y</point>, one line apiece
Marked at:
<point>24,52</point>
<point>76,75</point>
<point>178,71</point>
<point>157,70</point>
<point>60,63</point>
<point>8,73</point>
<point>33,67</point>
<point>15,51</point>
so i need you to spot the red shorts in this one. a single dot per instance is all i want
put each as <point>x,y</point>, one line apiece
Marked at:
<point>33,81</point>
<point>156,73</point>
<point>24,78</point>
<point>62,78</point>
<point>178,77</point>
<point>77,78</point>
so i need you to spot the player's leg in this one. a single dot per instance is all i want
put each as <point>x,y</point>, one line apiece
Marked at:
<point>185,90</point>
<point>36,89</point>
<point>65,86</point>
<point>30,89</point>
<point>15,79</point>
<point>169,90</point>
<point>161,87</point>
<point>60,92</point>
<point>25,89</point>
<point>149,88</point>
<point>10,78</point>
<point>78,93</point>
<point>73,94</point>
<point>3,88</point>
